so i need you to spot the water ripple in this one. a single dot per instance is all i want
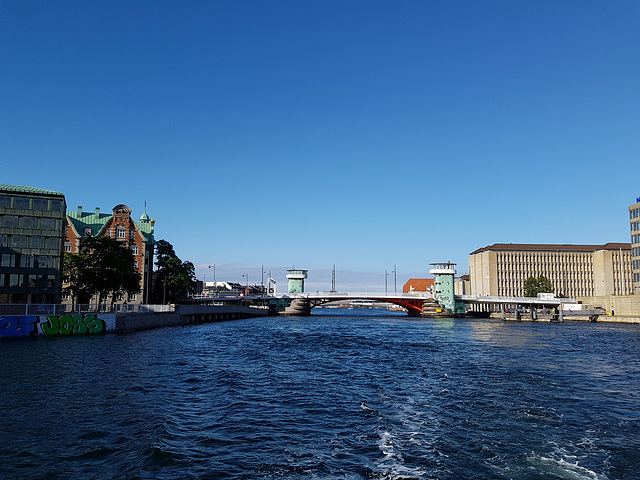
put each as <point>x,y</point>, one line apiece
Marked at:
<point>349,395</point>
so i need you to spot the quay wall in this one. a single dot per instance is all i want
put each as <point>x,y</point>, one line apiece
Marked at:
<point>20,326</point>
<point>184,315</point>
<point>615,305</point>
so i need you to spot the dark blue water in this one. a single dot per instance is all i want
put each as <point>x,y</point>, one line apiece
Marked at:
<point>343,395</point>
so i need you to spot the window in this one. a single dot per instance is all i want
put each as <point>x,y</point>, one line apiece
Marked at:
<point>27,222</point>
<point>20,203</point>
<point>67,246</point>
<point>5,201</point>
<point>42,261</point>
<point>46,223</point>
<point>121,232</point>
<point>55,205</point>
<point>134,249</point>
<point>8,260</point>
<point>10,221</point>
<point>87,231</point>
<point>39,204</point>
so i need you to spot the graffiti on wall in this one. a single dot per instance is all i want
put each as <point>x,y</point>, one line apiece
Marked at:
<point>31,325</point>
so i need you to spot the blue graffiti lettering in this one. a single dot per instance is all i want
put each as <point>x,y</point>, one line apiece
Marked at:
<point>18,326</point>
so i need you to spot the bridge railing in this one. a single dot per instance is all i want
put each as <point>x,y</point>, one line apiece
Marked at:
<point>358,295</point>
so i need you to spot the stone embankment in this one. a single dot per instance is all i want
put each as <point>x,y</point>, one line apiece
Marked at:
<point>184,315</point>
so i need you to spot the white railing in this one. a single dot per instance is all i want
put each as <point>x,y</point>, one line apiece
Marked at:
<point>358,295</point>
<point>62,309</point>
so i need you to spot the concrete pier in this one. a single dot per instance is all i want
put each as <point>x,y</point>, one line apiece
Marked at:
<point>184,315</point>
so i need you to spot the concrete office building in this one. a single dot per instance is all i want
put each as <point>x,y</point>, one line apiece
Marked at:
<point>32,229</point>
<point>574,270</point>
<point>634,219</point>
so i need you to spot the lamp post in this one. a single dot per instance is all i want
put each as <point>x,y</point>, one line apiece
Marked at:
<point>385,280</point>
<point>395,279</point>
<point>215,285</point>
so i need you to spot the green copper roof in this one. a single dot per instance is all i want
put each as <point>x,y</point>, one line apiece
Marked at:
<point>19,189</point>
<point>95,220</point>
<point>147,230</point>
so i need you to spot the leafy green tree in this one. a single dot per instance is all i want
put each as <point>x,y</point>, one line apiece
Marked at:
<point>173,278</point>
<point>76,274</point>
<point>104,267</point>
<point>113,266</point>
<point>535,285</point>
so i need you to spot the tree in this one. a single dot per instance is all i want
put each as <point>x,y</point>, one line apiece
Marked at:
<point>76,274</point>
<point>535,285</point>
<point>173,279</point>
<point>104,267</point>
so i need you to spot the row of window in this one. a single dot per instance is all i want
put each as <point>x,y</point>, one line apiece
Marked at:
<point>29,203</point>
<point>30,241</point>
<point>635,226</point>
<point>67,248</point>
<point>635,238</point>
<point>635,252</point>
<point>636,264</point>
<point>30,281</point>
<point>634,213</point>
<point>636,278</point>
<point>33,223</point>
<point>12,260</point>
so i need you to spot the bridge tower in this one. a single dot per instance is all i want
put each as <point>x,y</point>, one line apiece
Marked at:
<point>296,278</point>
<point>443,274</point>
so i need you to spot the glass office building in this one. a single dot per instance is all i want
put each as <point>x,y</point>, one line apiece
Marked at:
<point>32,231</point>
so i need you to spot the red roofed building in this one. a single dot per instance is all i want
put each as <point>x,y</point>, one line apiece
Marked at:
<point>418,285</point>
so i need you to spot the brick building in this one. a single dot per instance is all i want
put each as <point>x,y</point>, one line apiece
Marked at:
<point>138,236</point>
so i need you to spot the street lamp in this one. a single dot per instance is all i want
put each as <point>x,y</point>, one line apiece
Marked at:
<point>385,280</point>
<point>395,279</point>
<point>215,285</point>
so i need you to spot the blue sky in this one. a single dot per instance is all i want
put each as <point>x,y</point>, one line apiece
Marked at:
<point>364,134</point>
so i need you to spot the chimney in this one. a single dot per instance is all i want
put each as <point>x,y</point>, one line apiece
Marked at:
<point>97,211</point>
<point>79,210</point>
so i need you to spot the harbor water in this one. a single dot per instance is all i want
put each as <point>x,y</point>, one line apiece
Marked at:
<point>342,394</point>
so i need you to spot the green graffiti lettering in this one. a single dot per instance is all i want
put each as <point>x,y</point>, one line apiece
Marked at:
<point>52,325</point>
<point>66,324</point>
<point>79,327</point>
<point>94,324</point>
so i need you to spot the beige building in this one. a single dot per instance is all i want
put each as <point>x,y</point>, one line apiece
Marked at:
<point>574,270</point>
<point>634,219</point>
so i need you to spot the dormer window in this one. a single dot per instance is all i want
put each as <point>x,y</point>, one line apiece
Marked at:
<point>121,232</point>
<point>87,231</point>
